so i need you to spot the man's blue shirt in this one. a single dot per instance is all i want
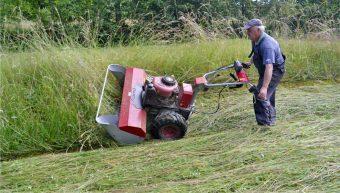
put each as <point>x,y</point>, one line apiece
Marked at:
<point>269,52</point>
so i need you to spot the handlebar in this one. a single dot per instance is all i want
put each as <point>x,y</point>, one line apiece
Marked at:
<point>237,68</point>
<point>241,79</point>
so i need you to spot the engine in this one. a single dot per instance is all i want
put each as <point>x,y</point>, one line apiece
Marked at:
<point>164,92</point>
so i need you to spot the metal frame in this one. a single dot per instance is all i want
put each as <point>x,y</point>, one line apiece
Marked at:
<point>208,85</point>
<point>110,121</point>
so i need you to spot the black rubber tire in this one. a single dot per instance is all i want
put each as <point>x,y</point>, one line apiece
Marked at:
<point>166,120</point>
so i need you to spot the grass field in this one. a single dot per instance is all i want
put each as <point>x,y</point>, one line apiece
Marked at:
<point>49,97</point>
<point>226,152</point>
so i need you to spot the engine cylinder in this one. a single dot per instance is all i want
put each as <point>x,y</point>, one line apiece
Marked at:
<point>163,89</point>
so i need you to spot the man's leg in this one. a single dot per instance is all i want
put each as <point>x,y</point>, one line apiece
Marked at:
<point>261,107</point>
<point>265,111</point>
<point>272,99</point>
<point>274,83</point>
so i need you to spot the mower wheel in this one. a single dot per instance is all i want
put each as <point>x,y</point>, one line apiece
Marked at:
<point>168,125</point>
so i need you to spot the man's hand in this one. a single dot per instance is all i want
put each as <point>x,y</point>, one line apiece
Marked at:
<point>263,93</point>
<point>246,64</point>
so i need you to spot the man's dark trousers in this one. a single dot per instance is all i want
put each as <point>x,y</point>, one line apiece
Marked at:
<point>265,111</point>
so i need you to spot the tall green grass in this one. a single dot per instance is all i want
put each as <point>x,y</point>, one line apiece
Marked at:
<point>49,95</point>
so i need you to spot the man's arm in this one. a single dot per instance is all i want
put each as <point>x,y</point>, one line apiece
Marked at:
<point>266,80</point>
<point>268,60</point>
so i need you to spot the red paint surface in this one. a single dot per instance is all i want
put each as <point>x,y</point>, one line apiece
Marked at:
<point>132,119</point>
<point>242,76</point>
<point>200,80</point>
<point>185,95</point>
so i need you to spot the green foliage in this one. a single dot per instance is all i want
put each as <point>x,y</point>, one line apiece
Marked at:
<point>103,22</point>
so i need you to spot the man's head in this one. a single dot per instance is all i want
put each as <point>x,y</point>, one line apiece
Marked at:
<point>254,29</point>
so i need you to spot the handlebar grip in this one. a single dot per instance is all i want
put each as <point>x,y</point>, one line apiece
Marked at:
<point>253,89</point>
<point>236,86</point>
<point>245,65</point>
<point>233,76</point>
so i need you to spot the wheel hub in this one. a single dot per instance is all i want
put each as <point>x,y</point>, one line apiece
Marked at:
<point>169,132</point>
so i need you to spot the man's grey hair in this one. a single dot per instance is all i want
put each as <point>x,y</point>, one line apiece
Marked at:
<point>261,27</point>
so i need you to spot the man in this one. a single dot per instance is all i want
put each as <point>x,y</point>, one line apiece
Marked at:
<point>270,63</point>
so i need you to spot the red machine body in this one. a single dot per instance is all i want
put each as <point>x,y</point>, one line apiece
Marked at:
<point>240,73</point>
<point>200,81</point>
<point>242,76</point>
<point>157,105</point>
<point>132,116</point>
<point>185,95</point>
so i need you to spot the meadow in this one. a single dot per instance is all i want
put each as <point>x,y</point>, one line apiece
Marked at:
<point>49,96</point>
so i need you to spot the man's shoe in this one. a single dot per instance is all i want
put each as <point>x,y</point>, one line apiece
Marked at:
<point>263,124</point>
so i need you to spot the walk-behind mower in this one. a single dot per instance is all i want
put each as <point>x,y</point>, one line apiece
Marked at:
<point>157,105</point>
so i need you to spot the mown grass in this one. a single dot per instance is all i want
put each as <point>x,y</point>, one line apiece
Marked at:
<point>226,152</point>
<point>49,96</point>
